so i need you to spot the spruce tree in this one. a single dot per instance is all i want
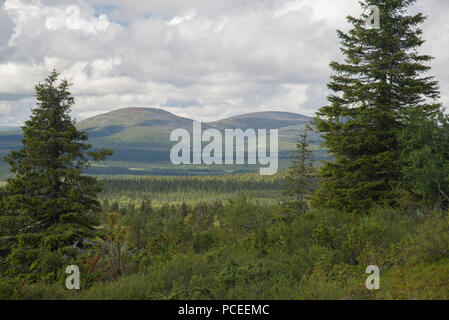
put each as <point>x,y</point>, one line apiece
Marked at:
<point>425,158</point>
<point>382,77</point>
<point>299,182</point>
<point>49,203</point>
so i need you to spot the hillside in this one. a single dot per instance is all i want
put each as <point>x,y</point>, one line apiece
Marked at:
<point>129,124</point>
<point>140,138</point>
<point>262,120</point>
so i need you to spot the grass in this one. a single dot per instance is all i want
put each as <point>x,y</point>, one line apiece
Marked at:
<point>422,282</point>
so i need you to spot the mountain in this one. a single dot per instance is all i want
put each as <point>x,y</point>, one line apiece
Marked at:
<point>134,118</point>
<point>140,138</point>
<point>133,128</point>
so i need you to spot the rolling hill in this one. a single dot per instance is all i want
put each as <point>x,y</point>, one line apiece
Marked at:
<point>140,138</point>
<point>262,120</point>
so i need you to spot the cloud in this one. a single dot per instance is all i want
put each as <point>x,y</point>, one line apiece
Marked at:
<point>203,59</point>
<point>5,108</point>
<point>14,112</point>
<point>187,16</point>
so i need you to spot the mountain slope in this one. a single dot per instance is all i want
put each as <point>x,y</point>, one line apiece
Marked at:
<point>131,128</point>
<point>262,120</point>
<point>134,117</point>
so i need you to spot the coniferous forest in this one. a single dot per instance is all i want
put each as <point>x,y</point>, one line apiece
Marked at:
<point>308,232</point>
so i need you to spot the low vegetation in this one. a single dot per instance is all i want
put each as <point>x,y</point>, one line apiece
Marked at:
<point>241,249</point>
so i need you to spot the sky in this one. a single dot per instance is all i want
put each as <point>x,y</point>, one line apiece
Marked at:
<point>202,59</point>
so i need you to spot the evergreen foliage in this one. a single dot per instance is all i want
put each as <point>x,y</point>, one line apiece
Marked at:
<point>299,181</point>
<point>425,157</point>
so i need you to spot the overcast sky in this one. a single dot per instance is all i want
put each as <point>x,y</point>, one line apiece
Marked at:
<point>203,59</point>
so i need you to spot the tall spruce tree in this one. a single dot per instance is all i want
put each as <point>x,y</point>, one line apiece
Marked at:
<point>49,204</point>
<point>299,182</point>
<point>383,75</point>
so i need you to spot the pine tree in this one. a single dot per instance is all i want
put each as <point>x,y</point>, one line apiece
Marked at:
<point>49,204</point>
<point>383,76</point>
<point>299,181</point>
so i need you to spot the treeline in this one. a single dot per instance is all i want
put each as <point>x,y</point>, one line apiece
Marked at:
<point>130,191</point>
<point>139,187</point>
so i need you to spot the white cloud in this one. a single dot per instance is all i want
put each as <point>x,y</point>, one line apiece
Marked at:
<point>31,18</point>
<point>289,96</point>
<point>202,58</point>
<point>187,16</point>
<point>5,108</point>
<point>13,79</point>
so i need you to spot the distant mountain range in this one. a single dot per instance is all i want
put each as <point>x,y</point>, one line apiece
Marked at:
<point>140,138</point>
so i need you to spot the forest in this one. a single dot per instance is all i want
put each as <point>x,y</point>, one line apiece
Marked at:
<point>190,190</point>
